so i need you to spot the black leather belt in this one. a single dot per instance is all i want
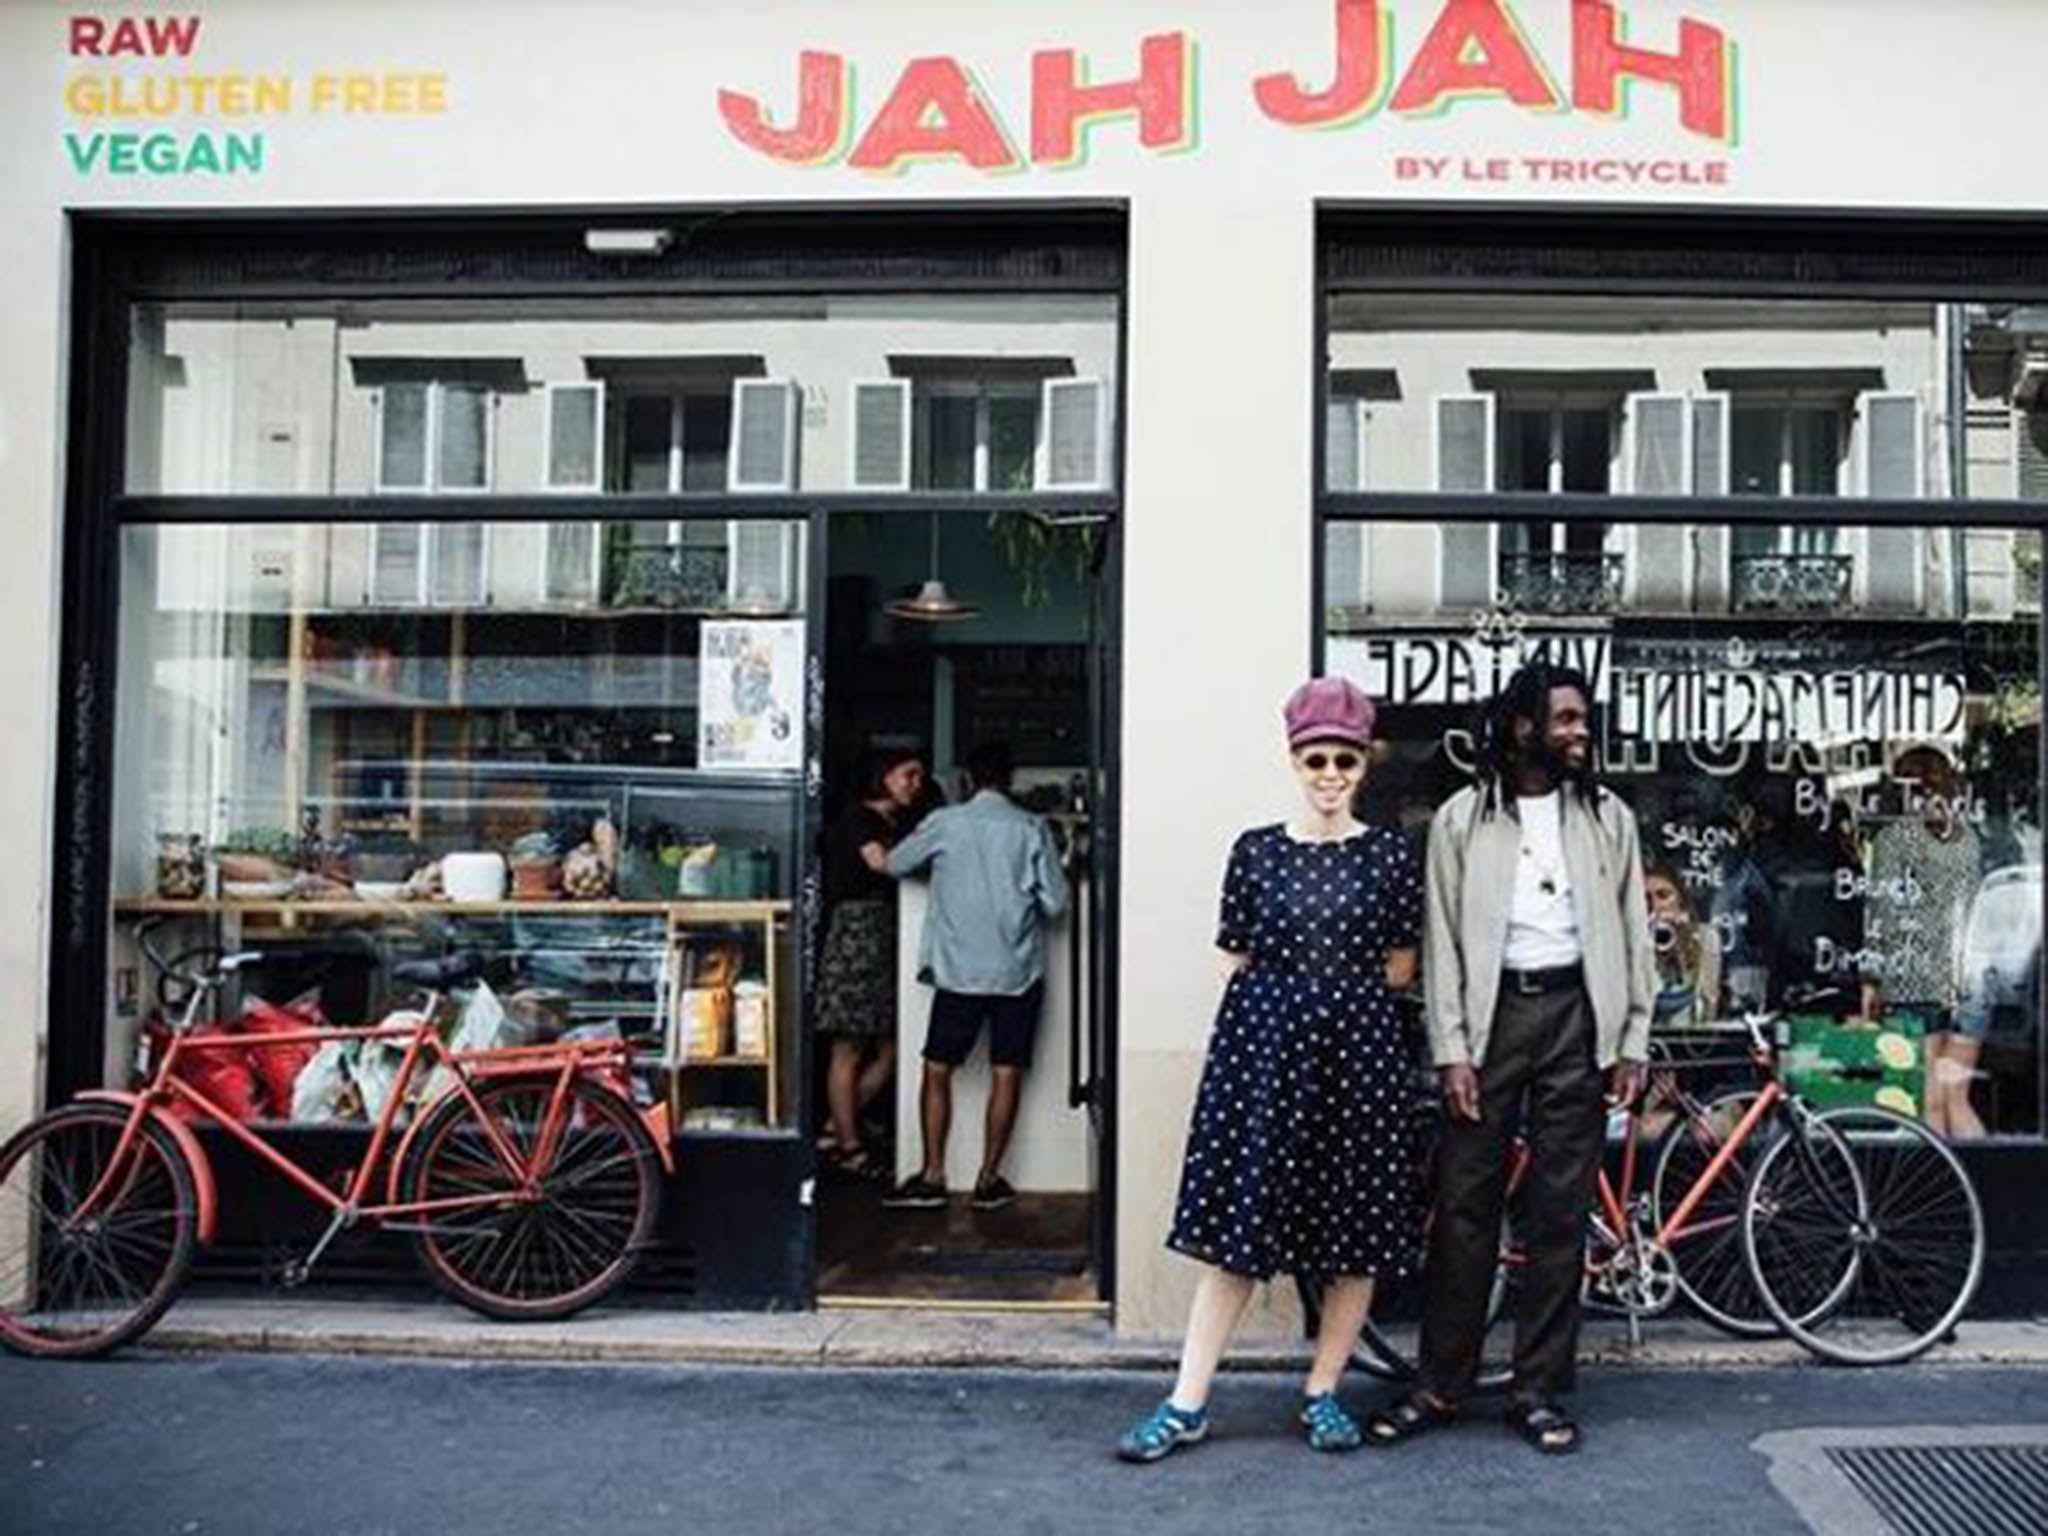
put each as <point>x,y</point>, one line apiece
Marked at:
<point>1555,978</point>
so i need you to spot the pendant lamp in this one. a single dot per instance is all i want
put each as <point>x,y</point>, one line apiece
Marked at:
<point>933,603</point>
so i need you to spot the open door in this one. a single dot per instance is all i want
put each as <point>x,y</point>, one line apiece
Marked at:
<point>1030,665</point>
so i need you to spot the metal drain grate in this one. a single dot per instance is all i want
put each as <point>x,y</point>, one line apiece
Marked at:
<point>1952,1490</point>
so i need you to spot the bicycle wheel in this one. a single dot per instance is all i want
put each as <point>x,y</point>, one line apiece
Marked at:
<point>1712,1273</point>
<point>1881,1200</point>
<point>1387,1356</point>
<point>77,1281</point>
<point>569,1244</point>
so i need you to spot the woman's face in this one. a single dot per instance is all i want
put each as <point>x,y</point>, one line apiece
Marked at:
<point>1330,773</point>
<point>902,784</point>
<point>1666,902</point>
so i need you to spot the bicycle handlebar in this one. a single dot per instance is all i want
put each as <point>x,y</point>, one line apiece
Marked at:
<point>227,963</point>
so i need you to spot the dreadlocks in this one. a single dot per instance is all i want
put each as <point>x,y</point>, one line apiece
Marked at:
<point>1527,697</point>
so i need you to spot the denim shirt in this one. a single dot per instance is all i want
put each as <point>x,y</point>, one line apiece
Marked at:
<point>996,881</point>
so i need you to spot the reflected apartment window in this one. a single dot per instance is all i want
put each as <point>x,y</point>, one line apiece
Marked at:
<point>434,437</point>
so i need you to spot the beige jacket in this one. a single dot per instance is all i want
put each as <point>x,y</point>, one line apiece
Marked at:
<point>1471,881</point>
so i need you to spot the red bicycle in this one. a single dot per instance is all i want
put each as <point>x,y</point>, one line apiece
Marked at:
<point>529,1186</point>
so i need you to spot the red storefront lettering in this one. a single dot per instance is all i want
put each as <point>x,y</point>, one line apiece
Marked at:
<point>934,112</point>
<point>1475,48</point>
<point>1061,105</point>
<point>153,37</point>
<point>821,114</point>
<point>1601,62</point>
<point>1364,38</point>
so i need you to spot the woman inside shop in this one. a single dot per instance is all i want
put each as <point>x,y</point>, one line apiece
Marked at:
<point>1925,867</point>
<point>1297,1155</point>
<point>857,970</point>
<point>1688,953</point>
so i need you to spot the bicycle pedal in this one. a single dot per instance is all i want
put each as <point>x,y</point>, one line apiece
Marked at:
<point>295,1274</point>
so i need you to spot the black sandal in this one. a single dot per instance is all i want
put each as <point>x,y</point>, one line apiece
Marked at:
<point>1413,1415</point>
<point>1546,1426</point>
<point>856,1166</point>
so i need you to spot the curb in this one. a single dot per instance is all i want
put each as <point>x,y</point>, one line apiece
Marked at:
<point>909,1340</point>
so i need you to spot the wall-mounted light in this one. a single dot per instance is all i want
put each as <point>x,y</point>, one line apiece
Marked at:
<point>627,242</point>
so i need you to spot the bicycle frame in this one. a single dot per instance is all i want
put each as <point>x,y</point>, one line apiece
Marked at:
<point>424,1051</point>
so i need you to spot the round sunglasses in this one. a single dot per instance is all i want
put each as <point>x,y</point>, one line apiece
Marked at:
<point>1343,762</point>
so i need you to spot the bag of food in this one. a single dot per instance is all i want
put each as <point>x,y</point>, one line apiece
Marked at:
<point>325,1088</point>
<point>223,1076</point>
<point>277,1066</point>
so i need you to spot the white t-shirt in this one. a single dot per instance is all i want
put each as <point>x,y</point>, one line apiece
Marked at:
<point>1542,930</point>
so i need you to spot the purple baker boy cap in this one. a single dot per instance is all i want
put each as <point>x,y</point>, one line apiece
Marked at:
<point>1328,709</point>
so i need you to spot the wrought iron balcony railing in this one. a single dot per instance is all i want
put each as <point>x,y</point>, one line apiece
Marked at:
<point>669,576</point>
<point>1808,583</point>
<point>1562,583</point>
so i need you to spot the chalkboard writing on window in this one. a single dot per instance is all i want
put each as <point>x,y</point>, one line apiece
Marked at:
<point>1035,697</point>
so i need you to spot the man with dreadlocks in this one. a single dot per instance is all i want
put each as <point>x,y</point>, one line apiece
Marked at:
<point>1540,980</point>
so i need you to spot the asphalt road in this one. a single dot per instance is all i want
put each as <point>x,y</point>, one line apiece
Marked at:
<point>219,1446</point>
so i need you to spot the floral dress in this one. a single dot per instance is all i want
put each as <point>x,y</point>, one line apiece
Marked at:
<point>1299,1153</point>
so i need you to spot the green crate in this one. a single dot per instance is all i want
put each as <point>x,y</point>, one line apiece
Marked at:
<point>1830,1063</point>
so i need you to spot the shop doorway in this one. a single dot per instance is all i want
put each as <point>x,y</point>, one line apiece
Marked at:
<point>1020,659</point>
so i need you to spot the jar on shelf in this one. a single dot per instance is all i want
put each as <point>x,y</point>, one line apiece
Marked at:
<point>180,866</point>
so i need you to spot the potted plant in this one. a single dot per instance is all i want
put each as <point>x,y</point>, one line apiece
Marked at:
<point>536,867</point>
<point>255,857</point>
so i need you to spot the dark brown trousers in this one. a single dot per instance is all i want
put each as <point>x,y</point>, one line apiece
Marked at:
<point>1539,1075</point>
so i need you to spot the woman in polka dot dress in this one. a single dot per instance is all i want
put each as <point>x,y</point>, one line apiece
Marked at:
<point>1297,1155</point>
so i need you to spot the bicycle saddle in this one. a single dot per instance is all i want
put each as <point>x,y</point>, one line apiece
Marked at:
<point>439,975</point>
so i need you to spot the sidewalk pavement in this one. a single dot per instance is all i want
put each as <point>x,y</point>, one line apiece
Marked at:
<point>883,1338</point>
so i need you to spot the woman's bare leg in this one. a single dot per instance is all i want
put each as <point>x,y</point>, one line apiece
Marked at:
<point>1952,1069</point>
<point>841,1076</point>
<point>1346,1301</point>
<point>1220,1300</point>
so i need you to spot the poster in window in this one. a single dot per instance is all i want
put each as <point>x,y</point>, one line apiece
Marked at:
<point>750,695</point>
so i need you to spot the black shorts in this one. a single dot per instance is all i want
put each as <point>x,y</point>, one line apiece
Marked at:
<point>957,1018</point>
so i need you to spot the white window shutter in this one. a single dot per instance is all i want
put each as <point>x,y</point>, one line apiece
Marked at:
<point>397,565</point>
<point>1463,443</point>
<point>762,456</point>
<point>458,556</point>
<point>881,435</point>
<point>2030,455</point>
<point>1710,443</point>
<point>1344,443</point>
<point>1891,441</point>
<point>1074,435</point>
<point>1657,438</point>
<point>574,454</point>
<point>404,437</point>
<point>573,553</point>
<point>760,568</point>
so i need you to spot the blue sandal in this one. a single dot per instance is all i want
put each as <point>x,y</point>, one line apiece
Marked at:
<point>1163,1431</point>
<point>1329,1424</point>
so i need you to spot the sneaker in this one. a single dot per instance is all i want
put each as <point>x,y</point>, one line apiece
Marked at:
<point>1329,1424</point>
<point>993,1194</point>
<point>1162,1432</point>
<point>916,1193</point>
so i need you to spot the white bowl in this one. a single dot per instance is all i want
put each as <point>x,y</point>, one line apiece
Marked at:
<point>381,890</point>
<point>255,890</point>
<point>473,877</point>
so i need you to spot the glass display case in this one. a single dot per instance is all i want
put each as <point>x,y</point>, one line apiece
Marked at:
<point>345,770</point>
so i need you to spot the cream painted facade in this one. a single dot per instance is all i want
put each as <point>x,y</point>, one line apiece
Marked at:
<point>613,104</point>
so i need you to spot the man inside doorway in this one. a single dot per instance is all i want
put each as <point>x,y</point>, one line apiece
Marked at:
<point>996,883</point>
<point>1540,979</point>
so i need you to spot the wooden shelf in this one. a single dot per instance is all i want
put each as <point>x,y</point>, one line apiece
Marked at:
<point>704,913</point>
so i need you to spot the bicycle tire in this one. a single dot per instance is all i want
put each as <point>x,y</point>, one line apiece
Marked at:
<point>1905,1217</point>
<point>1712,1272</point>
<point>90,1289</point>
<point>1379,1356</point>
<point>530,1261</point>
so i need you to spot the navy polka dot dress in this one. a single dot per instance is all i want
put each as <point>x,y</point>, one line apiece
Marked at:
<point>1298,1156</point>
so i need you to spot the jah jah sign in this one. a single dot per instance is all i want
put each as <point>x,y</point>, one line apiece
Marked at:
<point>936,111</point>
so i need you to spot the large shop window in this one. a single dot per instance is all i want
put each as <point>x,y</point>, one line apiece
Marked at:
<point>1828,725</point>
<point>343,764</point>
<point>670,397</point>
